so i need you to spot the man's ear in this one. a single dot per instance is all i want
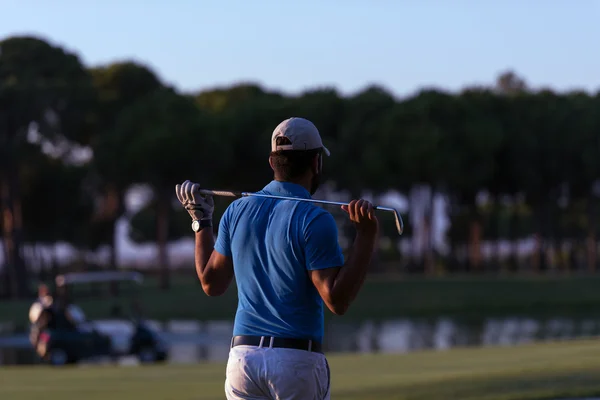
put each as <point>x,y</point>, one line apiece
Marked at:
<point>271,163</point>
<point>317,164</point>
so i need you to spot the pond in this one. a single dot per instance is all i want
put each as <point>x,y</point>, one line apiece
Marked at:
<point>194,341</point>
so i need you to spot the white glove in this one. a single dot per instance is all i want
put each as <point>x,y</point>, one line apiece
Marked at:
<point>198,206</point>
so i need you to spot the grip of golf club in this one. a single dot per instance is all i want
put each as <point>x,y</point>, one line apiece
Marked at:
<point>221,193</point>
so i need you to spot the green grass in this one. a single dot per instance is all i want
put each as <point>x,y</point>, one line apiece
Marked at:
<point>380,298</point>
<point>532,372</point>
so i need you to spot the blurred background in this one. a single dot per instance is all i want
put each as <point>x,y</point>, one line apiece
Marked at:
<point>478,121</point>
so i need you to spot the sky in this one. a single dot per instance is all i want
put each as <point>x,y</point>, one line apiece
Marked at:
<point>291,46</point>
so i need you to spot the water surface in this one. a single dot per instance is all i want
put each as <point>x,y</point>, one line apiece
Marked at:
<point>195,341</point>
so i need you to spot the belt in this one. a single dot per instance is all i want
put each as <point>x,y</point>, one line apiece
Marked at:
<point>270,341</point>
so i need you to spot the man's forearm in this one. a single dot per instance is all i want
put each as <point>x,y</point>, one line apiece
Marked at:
<point>205,243</point>
<point>361,279</point>
<point>351,277</point>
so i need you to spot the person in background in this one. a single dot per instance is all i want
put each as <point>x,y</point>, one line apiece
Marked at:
<point>44,301</point>
<point>41,313</point>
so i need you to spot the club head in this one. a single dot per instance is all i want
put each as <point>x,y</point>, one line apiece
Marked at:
<point>399,222</point>
<point>397,218</point>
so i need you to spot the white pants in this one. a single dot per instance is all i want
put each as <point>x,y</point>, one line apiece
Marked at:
<point>263,373</point>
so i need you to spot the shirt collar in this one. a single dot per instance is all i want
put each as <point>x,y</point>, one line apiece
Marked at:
<point>287,189</point>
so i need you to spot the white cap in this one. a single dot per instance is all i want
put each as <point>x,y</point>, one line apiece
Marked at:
<point>303,134</point>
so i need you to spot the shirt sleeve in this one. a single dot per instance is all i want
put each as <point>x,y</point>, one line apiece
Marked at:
<point>322,248</point>
<point>223,242</point>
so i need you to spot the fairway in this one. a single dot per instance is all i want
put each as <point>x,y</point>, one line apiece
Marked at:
<point>542,371</point>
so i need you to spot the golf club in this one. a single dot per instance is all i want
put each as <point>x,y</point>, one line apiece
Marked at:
<point>224,193</point>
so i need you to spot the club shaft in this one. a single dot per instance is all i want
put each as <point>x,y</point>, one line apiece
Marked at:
<point>225,193</point>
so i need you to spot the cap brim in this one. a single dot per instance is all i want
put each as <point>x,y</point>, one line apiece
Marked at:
<point>326,151</point>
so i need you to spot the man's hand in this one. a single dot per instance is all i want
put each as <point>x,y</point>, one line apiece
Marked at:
<point>198,206</point>
<point>362,213</point>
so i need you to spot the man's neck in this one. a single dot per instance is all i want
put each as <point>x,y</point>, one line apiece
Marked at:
<point>300,182</point>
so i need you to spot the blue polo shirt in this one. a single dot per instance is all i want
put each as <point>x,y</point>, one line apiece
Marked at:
<point>273,243</point>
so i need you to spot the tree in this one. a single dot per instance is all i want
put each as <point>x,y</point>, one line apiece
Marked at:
<point>58,205</point>
<point>361,140</point>
<point>244,117</point>
<point>119,86</point>
<point>324,107</point>
<point>506,212</point>
<point>44,89</point>
<point>582,168</point>
<point>540,159</point>
<point>412,132</point>
<point>537,149</point>
<point>220,99</point>
<point>169,141</point>
<point>143,224</point>
<point>473,138</point>
<point>509,83</point>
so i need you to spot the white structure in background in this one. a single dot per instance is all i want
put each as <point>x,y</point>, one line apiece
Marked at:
<point>422,201</point>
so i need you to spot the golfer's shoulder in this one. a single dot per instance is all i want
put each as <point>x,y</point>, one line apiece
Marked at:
<point>242,206</point>
<point>317,217</point>
<point>232,209</point>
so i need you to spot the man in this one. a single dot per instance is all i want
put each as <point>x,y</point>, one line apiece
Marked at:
<point>287,262</point>
<point>40,313</point>
<point>43,301</point>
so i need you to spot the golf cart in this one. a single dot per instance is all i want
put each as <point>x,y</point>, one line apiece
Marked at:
<point>61,334</point>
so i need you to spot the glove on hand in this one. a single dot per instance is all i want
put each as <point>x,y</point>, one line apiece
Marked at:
<point>198,206</point>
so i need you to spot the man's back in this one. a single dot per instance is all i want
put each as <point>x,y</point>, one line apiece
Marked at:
<point>273,244</point>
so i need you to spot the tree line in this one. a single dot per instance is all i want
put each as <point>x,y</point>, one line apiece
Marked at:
<point>512,162</point>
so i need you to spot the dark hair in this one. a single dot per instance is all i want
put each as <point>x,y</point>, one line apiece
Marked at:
<point>291,164</point>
